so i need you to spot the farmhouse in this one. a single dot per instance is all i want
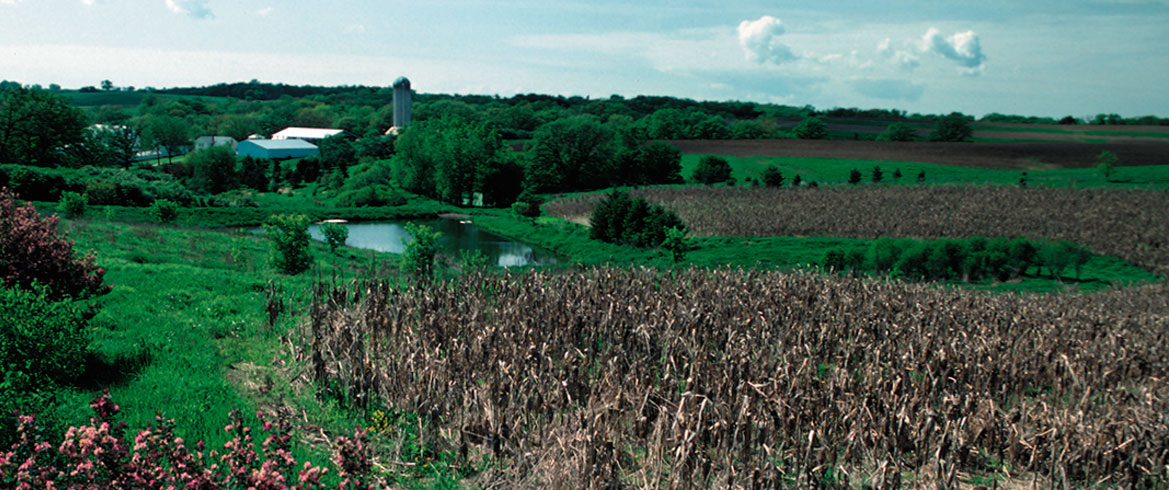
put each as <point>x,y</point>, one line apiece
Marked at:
<point>204,142</point>
<point>276,149</point>
<point>312,135</point>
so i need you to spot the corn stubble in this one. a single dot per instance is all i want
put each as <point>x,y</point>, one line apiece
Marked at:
<point>639,378</point>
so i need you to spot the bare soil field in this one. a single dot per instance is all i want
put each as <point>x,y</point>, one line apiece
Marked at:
<point>1022,156</point>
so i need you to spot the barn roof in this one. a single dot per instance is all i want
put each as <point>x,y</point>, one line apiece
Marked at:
<point>282,144</point>
<point>310,133</point>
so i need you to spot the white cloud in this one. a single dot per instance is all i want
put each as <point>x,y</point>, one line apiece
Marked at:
<point>903,58</point>
<point>9,2</point>
<point>264,11</point>
<point>193,8</point>
<point>963,48</point>
<point>760,40</point>
<point>355,28</point>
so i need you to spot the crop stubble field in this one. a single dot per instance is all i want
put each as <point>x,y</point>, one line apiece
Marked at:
<point>1008,155</point>
<point>1130,224</point>
<point>609,377</point>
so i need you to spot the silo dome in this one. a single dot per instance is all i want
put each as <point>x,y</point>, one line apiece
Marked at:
<point>402,82</point>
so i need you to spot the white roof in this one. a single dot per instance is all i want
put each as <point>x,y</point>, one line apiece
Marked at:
<point>282,144</point>
<point>306,133</point>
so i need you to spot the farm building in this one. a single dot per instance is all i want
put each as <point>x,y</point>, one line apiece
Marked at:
<point>276,149</point>
<point>204,142</point>
<point>312,135</point>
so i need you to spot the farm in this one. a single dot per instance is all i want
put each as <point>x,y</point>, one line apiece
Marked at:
<point>698,329</point>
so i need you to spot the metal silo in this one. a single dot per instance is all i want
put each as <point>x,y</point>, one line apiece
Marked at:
<point>401,102</point>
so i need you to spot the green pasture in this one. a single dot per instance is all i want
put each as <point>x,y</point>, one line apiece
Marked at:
<point>833,171</point>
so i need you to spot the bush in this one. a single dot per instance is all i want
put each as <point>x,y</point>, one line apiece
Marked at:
<point>371,196</point>
<point>100,456</point>
<point>811,128</point>
<point>772,177</point>
<point>72,205</point>
<point>712,170</point>
<point>164,211</point>
<point>290,242</point>
<point>896,132</point>
<point>953,128</point>
<point>675,243</point>
<point>40,344</point>
<point>635,222</point>
<point>854,176</point>
<point>418,261</point>
<point>30,251</point>
<point>335,235</point>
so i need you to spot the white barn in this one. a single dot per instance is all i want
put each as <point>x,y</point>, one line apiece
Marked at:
<point>312,135</point>
<point>276,149</point>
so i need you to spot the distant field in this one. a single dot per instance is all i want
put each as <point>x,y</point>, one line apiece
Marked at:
<point>1018,156</point>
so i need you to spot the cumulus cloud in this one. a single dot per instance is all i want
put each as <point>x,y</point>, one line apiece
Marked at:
<point>963,48</point>
<point>889,89</point>
<point>903,58</point>
<point>193,8</point>
<point>760,40</point>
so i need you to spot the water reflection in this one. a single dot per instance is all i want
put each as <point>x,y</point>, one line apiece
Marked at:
<point>457,236</point>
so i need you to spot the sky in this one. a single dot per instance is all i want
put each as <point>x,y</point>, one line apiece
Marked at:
<point>1028,57</point>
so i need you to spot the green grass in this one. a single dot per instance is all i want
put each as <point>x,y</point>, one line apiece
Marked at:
<point>832,171</point>
<point>185,328</point>
<point>572,241</point>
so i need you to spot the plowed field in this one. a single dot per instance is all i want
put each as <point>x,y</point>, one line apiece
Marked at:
<point>1023,156</point>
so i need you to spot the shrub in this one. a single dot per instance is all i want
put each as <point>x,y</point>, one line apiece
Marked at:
<point>634,222</point>
<point>811,128</point>
<point>40,343</point>
<point>528,205</point>
<point>854,176</point>
<point>335,235</point>
<point>896,132</point>
<point>675,243</point>
<point>418,261</point>
<point>72,204</point>
<point>100,456</point>
<point>164,211</point>
<point>1106,162</point>
<point>290,242</point>
<point>953,128</point>
<point>30,251</point>
<point>772,177</point>
<point>877,175</point>
<point>372,196</point>
<point>711,170</point>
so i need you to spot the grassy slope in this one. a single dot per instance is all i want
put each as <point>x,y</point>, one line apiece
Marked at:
<point>836,171</point>
<point>184,331</point>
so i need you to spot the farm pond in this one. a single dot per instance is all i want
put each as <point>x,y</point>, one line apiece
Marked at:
<point>458,237</point>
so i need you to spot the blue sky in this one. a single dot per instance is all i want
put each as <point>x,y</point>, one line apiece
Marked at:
<point>1033,57</point>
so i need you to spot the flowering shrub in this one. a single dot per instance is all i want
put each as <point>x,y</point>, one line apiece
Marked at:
<point>96,456</point>
<point>30,250</point>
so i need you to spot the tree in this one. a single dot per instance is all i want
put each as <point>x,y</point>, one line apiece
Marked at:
<point>711,170</point>
<point>1106,162</point>
<point>166,134</point>
<point>921,177</point>
<point>897,132</point>
<point>877,175</point>
<point>107,85</point>
<point>811,128</point>
<point>675,243</point>
<point>213,170</point>
<point>953,128</point>
<point>572,154</point>
<point>854,176</point>
<point>897,173</point>
<point>31,252</point>
<point>164,211</point>
<point>418,259</point>
<point>253,174</point>
<point>36,126</point>
<point>335,235</point>
<point>337,152</point>
<point>772,177</point>
<point>290,242</point>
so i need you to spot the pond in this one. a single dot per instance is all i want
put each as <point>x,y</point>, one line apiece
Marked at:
<point>457,236</point>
